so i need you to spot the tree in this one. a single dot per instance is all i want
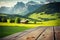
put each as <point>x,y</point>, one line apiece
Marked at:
<point>34,22</point>
<point>4,19</point>
<point>12,20</point>
<point>0,19</point>
<point>17,20</point>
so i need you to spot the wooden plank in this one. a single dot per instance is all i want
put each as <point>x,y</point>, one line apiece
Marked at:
<point>33,35</point>
<point>57,33</point>
<point>20,34</point>
<point>47,35</point>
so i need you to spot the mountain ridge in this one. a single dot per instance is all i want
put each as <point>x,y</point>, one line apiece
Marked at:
<point>49,7</point>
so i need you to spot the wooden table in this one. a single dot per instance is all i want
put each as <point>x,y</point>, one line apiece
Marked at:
<point>39,33</point>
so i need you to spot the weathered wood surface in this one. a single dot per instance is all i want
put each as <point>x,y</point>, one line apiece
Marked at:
<point>57,33</point>
<point>47,35</point>
<point>39,33</point>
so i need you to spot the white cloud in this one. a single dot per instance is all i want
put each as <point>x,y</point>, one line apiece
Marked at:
<point>7,4</point>
<point>11,3</point>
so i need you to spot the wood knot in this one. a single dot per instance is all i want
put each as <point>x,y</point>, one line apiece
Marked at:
<point>43,35</point>
<point>30,38</point>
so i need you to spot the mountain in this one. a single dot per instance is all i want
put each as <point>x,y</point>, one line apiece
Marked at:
<point>18,8</point>
<point>32,6</point>
<point>32,3</point>
<point>28,8</point>
<point>23,9</point>
<point>50,0</point>
<point>46,12</point>
<point>4,10</point>
<point>50,8</point>
<point>19,5</point>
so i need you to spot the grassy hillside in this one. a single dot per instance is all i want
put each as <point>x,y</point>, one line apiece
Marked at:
<point>47,12</point>
<point>44,17</point>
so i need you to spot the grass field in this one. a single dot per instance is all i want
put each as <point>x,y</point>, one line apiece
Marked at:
<point>8,30</point>
<point>11,28</point>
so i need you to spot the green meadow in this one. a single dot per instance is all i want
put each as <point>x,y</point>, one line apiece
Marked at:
<point>8,30</point>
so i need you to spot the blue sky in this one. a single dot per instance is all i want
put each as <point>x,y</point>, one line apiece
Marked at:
<point>11,3</point>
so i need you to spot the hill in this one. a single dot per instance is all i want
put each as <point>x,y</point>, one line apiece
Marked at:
<point>46,12</point>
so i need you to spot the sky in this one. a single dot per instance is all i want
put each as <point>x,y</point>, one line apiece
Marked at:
<point>11,3</point>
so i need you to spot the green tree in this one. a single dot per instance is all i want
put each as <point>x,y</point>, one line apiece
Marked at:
<point>12,20</point>
<point>4,19</point>
<point>17,20</point>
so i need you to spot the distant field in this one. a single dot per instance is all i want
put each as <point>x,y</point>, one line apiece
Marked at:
<point>46,23</point>
<point>8,30</point>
